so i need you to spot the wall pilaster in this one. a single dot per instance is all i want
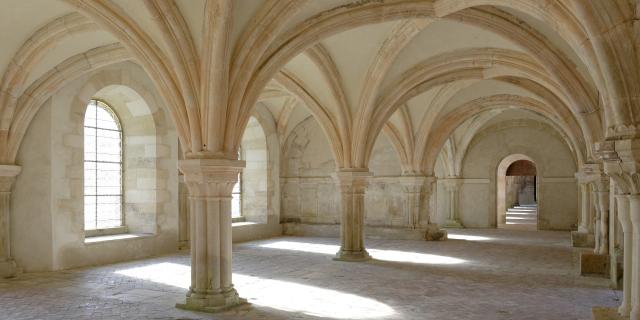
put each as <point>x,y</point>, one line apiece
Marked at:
<point>8,267</point>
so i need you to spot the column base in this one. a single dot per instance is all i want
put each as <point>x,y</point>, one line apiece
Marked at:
<point>8,269</point>
<point>592,264</point>
<point>582,239</point>
<point>604,313</point>
<point>453,224</point>
<point>624,310</point>
<point>352,256</point>
<point>214,302</point>
<point>435,233</point>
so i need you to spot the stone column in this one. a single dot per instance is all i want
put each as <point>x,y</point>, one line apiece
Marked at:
<point>602,216</point>
<point>352,185</point>
<point>634,216</point>
<point>622,163</point>
<point>625,221</point>
<point>584,208</point>
<point>210,182</point>
<point>414,189</point>
<point>596,220</point>
<point>8,173</point>
<point>452,185</point>
<point>183,214</point>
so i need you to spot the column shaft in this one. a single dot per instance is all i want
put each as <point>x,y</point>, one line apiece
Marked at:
<point>603,206</point>
<point>352,185</point>
<point>8,267</point>
<point>452,185</point>
<point>210,182</point>
<point>634,215</point>
<point>584,208</point>
<point>625,221</point>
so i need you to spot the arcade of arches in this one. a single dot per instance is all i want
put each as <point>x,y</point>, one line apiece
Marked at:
<point>281,159</point>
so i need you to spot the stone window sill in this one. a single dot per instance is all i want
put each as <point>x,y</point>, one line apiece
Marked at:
<point>105,232</point>
<point>242,223</point>
<point>238,219</point>
<point>116,237</point>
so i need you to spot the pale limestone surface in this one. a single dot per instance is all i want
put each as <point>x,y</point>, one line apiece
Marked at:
<point>498,274</point>
<point>53,152</point>
<point>424,79</point>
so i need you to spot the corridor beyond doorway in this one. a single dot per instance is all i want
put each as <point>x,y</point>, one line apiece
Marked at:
<point>522,217</point>
<point>517,193</point>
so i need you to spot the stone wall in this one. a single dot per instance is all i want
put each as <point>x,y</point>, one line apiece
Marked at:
<point>309,194</point>
<point>557,188</point>
<point>150,178</point>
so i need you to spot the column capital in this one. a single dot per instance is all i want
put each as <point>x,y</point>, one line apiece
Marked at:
<point>622,163</point>
<point>416,183</point>
<point>8,174</point>
<point>634,215</point>
<point>589,172</point>
<point>452,183</point>
<point>352,180</point>
<point>210,177</point>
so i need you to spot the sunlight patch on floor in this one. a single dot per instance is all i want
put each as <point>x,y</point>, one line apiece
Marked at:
<point>310,300</point>
<point>168,273</point>
<point>386,255</point>
<point>467,237</point>
<point>282,295</point>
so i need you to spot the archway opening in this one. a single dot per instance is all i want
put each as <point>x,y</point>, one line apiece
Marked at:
<point>517,193</point>
<point>252,186</point>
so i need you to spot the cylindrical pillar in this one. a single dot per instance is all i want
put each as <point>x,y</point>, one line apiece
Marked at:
<point>352,185</point>
<point>603,205</point>
<point>452,185</point>
<point>210,182</point>
<point>627,230</point>
<point>634,215</point>
<point>584,208</point>
<point>8,173</point>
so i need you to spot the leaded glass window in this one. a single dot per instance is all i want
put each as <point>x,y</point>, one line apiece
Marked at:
<point>102,167</point>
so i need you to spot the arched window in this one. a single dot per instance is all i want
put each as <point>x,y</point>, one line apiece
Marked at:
<point>102,167</point>
<point>236,194</point>
<point>236,201</point>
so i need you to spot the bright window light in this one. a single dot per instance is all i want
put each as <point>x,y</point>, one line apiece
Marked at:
<point>467,237</point>
<point>102,167</point>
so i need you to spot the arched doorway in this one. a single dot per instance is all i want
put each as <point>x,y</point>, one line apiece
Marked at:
<point>517,193</point>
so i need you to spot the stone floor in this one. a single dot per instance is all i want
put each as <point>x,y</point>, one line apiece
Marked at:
<point>478,274</point>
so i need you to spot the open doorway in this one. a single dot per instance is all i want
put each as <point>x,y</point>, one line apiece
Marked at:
<point>517,193</point>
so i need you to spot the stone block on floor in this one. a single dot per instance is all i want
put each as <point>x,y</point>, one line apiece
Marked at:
<point>582,240</point>
<point>592,264</point>
<point>602,313</point>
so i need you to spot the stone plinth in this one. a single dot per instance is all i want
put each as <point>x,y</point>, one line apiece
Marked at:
<point>582,239</point>
<point>593,264</point>
<point>602,313</point>
<point>435,233</point>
